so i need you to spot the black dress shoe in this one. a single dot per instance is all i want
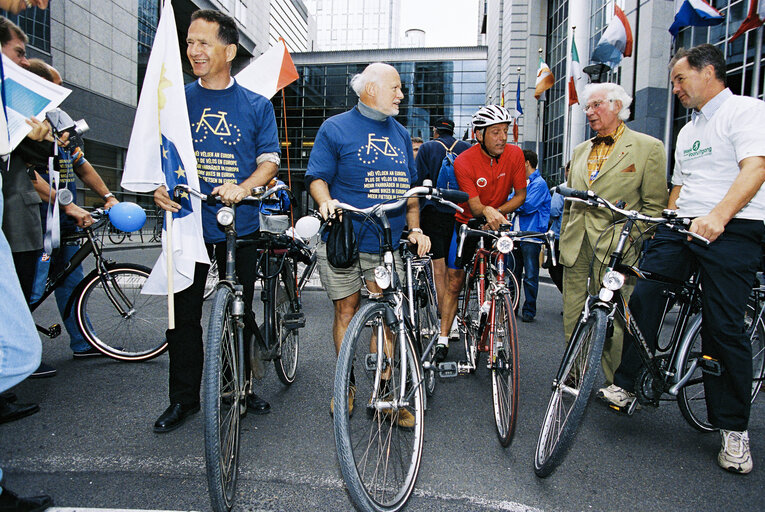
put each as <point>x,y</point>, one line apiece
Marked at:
<point>15,411</point>
<point>174,416</point>
<point>43,371</point>
<point>9,501</point>
<point>257,405</point>
<point>9,396</point>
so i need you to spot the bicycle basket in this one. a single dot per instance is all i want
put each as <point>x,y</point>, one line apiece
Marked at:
<point>274,223</point>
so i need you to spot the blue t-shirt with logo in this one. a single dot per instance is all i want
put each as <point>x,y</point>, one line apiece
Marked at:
<point>230,129</point>
<point>364,162</point>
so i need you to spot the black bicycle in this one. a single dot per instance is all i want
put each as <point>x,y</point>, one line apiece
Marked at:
<point>111,312</point>
<point>676,372</point>
<point>224,384</point>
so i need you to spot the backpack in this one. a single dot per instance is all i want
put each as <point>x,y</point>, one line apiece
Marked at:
<point>446,178</point>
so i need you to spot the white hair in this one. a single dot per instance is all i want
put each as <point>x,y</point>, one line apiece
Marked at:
<point>371,74</point>
<point>613,92</point>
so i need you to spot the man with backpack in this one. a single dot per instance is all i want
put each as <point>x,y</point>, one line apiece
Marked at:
<point>437,220</point>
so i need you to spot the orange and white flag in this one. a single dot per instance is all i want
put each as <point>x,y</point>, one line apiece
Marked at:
<point>269,73</point>
<point>545,79</point>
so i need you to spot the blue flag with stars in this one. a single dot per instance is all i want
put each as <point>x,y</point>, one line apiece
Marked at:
<point>175,174</point>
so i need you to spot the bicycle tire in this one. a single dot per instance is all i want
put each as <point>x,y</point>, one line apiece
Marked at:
<point>222,402</point>
<point>504,368</point>
<point>289,339</point>
<point>379,459</point>
<point>116,236</point>
<point>511,283</point>
<point>691,398</point>
<point>213,277</point>
<point>427,325</point>
<point>562,418</point>
<point>470,316</point>
<point>139,335</point>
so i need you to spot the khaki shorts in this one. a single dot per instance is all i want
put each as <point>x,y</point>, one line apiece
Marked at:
<point>344,282</point>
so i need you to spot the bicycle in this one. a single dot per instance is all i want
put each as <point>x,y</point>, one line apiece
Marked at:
<point>379,458</point>
<point>669,373</point>
<point>486,318</point>
<point>110,311</point>
<point>224,383</point>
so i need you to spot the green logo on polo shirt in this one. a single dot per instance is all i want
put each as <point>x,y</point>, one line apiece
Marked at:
<point>696,151</point>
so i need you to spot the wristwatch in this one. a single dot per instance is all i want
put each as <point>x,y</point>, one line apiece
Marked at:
<point>416,230</point>
<point>107,196</point>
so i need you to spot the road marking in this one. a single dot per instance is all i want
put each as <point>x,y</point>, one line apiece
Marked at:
<point>78,509</point>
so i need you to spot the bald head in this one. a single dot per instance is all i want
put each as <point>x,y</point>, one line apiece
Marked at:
<point>379,87</point>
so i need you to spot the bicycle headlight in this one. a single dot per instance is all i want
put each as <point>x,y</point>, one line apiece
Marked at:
<point>613,280</point>
<point>225,216</point>
<point>504,244</point>
<point>382,277</point>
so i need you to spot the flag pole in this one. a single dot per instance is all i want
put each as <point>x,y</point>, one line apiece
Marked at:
<point>170,272</point>
<point>539,117</point>
<point>757,59</point>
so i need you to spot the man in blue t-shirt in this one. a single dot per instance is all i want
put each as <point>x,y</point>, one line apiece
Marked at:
<point>237,148</point>
<point>363,157</point>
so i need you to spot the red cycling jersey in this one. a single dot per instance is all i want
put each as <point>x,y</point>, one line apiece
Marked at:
<point>489,179</point>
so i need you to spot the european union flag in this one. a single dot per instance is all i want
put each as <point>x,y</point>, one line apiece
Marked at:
<point>175,174</point>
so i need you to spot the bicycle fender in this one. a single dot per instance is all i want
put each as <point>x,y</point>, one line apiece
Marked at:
<point>78,289</point>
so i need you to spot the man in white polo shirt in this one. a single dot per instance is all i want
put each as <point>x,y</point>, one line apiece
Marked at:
<point>717,182</point>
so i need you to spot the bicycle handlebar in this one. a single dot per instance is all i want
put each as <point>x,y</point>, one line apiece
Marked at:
<point>548,237</point>
<point>669,218</point>
<point>443,196</point>
<point>257,194</point>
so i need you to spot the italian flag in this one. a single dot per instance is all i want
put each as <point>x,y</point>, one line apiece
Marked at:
<point>576,76</point>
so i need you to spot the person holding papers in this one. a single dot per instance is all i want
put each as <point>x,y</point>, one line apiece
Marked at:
<point>236,142</point>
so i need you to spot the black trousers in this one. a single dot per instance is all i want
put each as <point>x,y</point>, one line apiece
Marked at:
<point>26,266</point>
<point>185,341</point>
<point>727,272</point>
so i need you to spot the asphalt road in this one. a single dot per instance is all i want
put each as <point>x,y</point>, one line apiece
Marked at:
<point>91,445</point>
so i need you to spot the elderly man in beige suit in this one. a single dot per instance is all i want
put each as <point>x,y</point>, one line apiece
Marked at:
<point>618,165</point>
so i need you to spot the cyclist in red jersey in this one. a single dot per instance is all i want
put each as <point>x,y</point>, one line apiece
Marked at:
<point>489,171</point>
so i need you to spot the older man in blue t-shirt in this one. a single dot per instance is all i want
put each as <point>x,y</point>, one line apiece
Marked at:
<point>363,157</point>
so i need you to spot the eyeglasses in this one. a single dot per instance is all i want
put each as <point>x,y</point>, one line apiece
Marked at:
<point>594,105</point>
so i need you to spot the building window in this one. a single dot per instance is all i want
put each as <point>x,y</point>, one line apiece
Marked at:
<point>36,25</point>
<point>551,158</point>
<point>148,19</point>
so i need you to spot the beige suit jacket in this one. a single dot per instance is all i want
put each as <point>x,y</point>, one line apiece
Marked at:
<point>635,173</point>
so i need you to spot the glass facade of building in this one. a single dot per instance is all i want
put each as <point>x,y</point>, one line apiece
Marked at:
<point>553,131</point>
<point>148,19</point>
<point>36,25</point>
<point>289,20</point>
<point>361,24</point>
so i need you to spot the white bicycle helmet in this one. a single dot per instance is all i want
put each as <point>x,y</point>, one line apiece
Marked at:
<point>491,115</point>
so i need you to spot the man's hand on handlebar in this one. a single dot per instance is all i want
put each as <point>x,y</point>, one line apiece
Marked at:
<point>162,199</point>
<point>709,226</point>
<point>422,240</point>
<point>493,218</point>
<point>110,202</point>
<point>327,208</point>
<point>80,216</point>
<point>230,193</point>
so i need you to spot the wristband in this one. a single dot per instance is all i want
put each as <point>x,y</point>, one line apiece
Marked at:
<point>107,196</point>
<point>416,230</point>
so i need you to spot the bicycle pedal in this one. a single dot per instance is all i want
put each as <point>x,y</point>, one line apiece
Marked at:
<point>710,365</point>
<point>628,409</point>
<point>293,320</point>
<point>370,363</point>
<point>54,330</point>
<point>447,369</point>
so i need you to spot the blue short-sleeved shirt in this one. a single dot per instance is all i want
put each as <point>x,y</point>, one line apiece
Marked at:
<point>364,162</point>
<point>230,129</point>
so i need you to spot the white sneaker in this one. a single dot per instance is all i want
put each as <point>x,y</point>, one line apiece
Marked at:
<point>734,453</point>
<point>616,396</point>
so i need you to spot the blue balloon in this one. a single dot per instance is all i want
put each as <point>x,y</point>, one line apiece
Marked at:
<point>127,216</point>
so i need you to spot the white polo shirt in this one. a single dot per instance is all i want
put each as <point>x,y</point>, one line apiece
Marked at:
<point>709,148</point>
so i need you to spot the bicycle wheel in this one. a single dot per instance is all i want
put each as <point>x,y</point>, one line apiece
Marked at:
<point>117,319</point>
<point>427,327</point>
<point>116,236</point>
<point>222,402</point>
<point>379,448</point>
<point>691,398</point>
<point>213,276</point>
<point>289,338</point>
<point>470,316</point>
<point>570,393</point>
<point>511,283</point>
<point>504,368</point>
